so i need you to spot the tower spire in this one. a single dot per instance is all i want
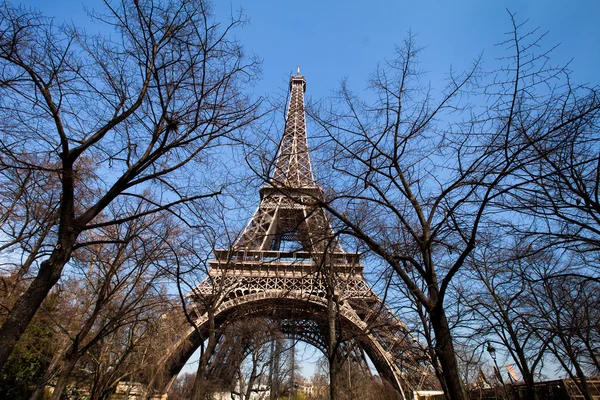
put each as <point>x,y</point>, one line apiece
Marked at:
<point>292,165</point>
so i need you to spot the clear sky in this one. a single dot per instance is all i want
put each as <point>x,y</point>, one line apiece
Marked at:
<point>333,39</point>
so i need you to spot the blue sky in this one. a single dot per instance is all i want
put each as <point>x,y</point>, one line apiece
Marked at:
<point>335,39</point>
<point>331,39</point>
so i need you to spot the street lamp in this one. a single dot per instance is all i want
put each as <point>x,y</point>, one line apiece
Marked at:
<point>492,351</point>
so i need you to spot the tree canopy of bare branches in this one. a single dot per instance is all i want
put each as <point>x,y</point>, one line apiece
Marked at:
<point>421,179</point>
<point>99,130</point>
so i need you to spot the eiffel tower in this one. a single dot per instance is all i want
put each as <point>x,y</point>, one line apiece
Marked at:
<point>287,263</point>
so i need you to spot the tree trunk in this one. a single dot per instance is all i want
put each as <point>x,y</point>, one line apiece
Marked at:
<point>578,377</point>
<point>33,254</point>
<point>274,373</point>
<point>446,355</point>
<point>251,380</point>
<point>529,384</point>
<point>48,374</point>
<point>27,305</point>
<point>199,382</point>
<point>331,316</point>
<point>206,352</point>
<point>528,377</point>
<point>333,389</point>
<point>424,318</point>
<point>63,379</point>
<point>582,384</point>
<point>75,352</point>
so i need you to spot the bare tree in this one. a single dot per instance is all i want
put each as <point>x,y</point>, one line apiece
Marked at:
<point>129,116</point>
<point>28,212</point>
<point>371,148</point>
<point>38,349</point>
<point>256,337</point>
<point>117,280</point>
<point>126,353</point>
<point>200,293</point>
<point>564,311</point>
<point>558,200</point>
<point>182,387</point>
<point>419,180</point>
<point>495,294</point>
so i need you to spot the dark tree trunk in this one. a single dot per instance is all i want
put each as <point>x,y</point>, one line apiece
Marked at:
<point>63,379</point>
<point>530,386</point>
<point>332,347</point>
<point>581,383</point>
<point>446,355</point>
<point>333,395</point>
<point>48,375</point>
<point>252,379</point>
<point>24,310</point>
<point>200,381</point>
<point>27,305</point>
<point>206,353</point>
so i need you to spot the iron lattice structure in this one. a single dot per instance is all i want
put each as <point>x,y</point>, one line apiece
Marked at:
<point>287,262</point>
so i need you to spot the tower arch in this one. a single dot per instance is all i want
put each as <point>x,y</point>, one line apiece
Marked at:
<point>374,339</point>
